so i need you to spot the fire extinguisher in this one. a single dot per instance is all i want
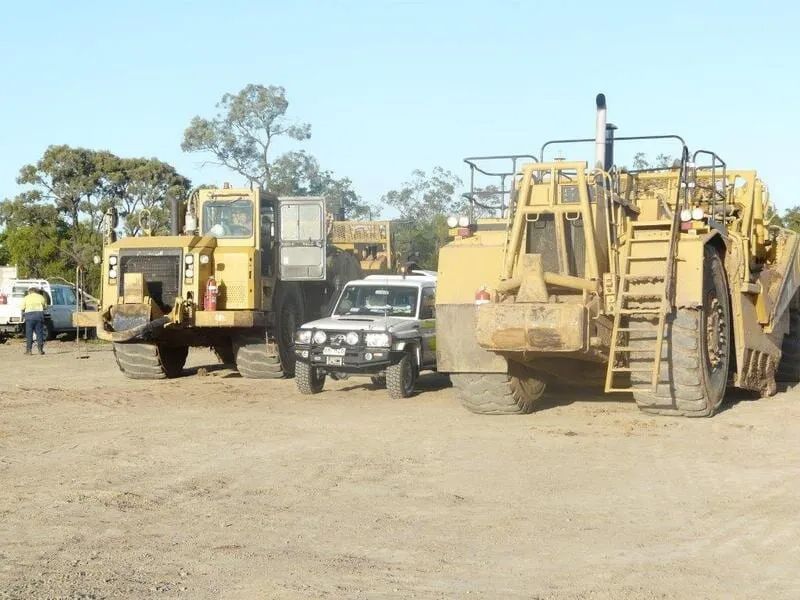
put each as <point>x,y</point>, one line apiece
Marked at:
<point>210,299</point>
<point>482,296</point>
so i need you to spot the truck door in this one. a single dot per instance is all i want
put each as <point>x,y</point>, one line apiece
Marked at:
<point>302,236</point>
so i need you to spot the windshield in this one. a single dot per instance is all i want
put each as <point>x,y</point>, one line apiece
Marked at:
<point>395,301</point>
<point>229,218</point>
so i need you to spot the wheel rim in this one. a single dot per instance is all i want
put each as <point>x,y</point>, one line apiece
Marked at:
<point>408,378</point>
<point>716,334</point>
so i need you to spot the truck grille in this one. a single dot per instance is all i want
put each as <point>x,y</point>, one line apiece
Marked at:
<point>161,270</point>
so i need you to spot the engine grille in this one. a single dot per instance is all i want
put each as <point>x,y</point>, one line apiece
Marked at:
<point>161,270</point>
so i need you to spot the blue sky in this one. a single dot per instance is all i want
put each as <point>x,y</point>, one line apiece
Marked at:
<point>393,86</point>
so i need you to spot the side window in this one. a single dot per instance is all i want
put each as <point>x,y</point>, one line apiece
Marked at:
<point>69,296</point>
<point>58,297</point>
<point>428,307</point>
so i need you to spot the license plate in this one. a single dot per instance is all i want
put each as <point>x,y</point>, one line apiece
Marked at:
<point>333,351</point>
<point>334,360</point>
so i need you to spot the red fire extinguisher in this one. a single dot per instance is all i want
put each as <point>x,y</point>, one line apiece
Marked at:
<point>210,299</point>
<point>482,296</point>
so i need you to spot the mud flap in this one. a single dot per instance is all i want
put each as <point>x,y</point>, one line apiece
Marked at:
<point>131,323</point>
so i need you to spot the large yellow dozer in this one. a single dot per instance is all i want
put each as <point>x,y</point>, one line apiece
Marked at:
<point>246,270</point>
<point>370,241</point>
<point>668,283</point>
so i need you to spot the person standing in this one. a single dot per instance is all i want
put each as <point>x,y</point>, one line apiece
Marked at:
<point>33,306</point>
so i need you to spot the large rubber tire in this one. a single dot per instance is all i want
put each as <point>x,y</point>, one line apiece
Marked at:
<point>695,355</point>
<point>253,360</point>
<point>789,367</point>
<point>401,378</point>
<point>308,379</point>
<point>150,361</point>
<point>290,315</point>
<point>512,393</point>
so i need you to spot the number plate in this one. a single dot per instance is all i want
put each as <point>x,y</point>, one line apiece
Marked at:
<point>333,351</point>
<point>334,360</point>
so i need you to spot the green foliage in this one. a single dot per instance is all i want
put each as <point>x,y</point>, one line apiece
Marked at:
<point>641,161</point>
<point>790,219</point>
<point>424,203</point>
<point>242,135</point>
<point>54,226</point>
<point>299,174</point>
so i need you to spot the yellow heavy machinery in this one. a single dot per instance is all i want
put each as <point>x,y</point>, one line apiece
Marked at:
<point>668,283</point>
<point>369,241</point>
<point>247,269</point>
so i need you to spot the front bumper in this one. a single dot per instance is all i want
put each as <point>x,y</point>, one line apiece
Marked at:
<point>532,327</point>
<point>353,361</point>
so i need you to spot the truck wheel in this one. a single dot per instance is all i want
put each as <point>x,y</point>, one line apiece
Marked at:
<point>288,319</point>
<point>402,377</point>
<point>254,360</point>
<point>150,361</point>
<point>789,367</point>
<point>696,352</point>
<point>309,380</point>
<point>514,393</point>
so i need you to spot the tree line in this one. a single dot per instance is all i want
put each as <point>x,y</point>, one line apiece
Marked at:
<point>54,225</point>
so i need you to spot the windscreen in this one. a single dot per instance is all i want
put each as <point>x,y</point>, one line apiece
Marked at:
<point>229,218</point>
<point>394,301</point>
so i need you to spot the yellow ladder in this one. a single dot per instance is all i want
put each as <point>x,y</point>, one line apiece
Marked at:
<point>645,262</point>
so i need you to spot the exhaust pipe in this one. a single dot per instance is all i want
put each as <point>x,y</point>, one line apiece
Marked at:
<point>174,224</point>
<point>600,133</point>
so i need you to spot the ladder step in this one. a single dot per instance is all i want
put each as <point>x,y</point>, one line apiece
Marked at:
<point>639,311</point>
<point>632,349</point>
<point>639,329</point>
<point>651,225</point>
<point>631,370</point>
<point>642,296</point>
<point>658,258</point>
<point>642,278</point>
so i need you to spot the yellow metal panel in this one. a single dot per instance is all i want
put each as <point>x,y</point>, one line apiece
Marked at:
<point>228,318</point>
<point>463,269</point>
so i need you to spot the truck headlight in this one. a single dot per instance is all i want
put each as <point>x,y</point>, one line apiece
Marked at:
<point>697,214</point>
<point>378,340</point>
<point>112,273</point>
<point>204,259</point>
<point>351,339</point>
<point>320,337</point>
<point>112,260</point>
<point>463,221</point>
<point>452,221</point>
<point>303,336</point>
<point>189,273</point>
<point>189,259</point>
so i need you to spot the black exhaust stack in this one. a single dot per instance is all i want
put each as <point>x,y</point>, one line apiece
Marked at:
<point>174,221</point>
<point>604,136</point>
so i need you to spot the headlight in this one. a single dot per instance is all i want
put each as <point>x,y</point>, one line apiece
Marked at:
<point>96,259</point>
<point>320,337</point>
<point>112,260</point>
<point>378,340</point>
<point>112,273</point>
<point>204,259</point>
<point>698,214</point>
<point>189,259</point>
<point>303,336</point>
<point>686,215</point>
<point>189,273</point>
<point>452,222</point>
<point>351,339</point>
<point>463,221</point>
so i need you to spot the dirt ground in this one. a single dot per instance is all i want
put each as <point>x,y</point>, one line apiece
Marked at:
<point>213,486</point>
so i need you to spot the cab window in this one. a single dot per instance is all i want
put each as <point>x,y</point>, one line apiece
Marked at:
<point>228,218</point>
